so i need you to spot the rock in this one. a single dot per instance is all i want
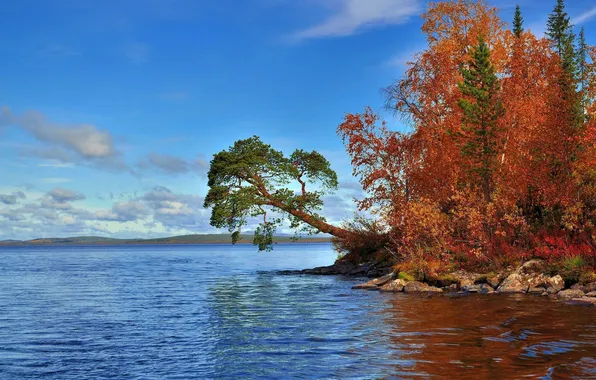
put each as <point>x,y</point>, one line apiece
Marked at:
<point>537,291</point>
<point>555,282</point>
<point>514,283</point>
<point>366,286</point>
<point>376,283</point>
<point>341,267</point>
<point>544,294</point>
<point>465,278</point>
<point>570,293</point>
<point>478,288</point>
<point>583,301</point>
<point>359,271</point>
<point>591,294</point>
<point>525,277</point>
<point>591,287</point>
<point>551,290</point>
<point>451,288</point>
<point>578,287</point>
<point>394,286</point>
<point>419,287</point>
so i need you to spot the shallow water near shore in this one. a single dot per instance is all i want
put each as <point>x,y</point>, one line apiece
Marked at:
<point>213,311</point>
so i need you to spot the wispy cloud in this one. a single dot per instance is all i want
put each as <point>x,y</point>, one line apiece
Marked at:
<point>584,17</point>
<point>352,16</point>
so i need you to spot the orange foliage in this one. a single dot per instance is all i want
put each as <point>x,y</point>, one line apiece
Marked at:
<point>545,180</point>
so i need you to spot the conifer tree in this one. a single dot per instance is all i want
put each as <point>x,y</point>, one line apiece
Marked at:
<point>518,22</point>
<point>582,60</point>
<point>482,108</point>
<point>559,31</point>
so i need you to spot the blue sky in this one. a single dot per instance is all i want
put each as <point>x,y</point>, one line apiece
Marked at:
<point>112,109</point>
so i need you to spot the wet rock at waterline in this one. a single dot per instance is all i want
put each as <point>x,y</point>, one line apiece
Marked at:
<point>583,301</point>
<point>570,293</point>
<point>394,286</point>
<point>420,287</point>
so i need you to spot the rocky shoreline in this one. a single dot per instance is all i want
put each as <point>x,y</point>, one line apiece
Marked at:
<point>529,278</point>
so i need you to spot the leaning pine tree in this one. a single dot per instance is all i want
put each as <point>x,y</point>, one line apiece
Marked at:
<point>251,179</point>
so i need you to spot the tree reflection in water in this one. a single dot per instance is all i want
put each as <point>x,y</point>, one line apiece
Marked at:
<point>492,336</point>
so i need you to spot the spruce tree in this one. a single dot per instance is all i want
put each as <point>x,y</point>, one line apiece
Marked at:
<point>482,108</point>
<point>582,60</point>
<point>559,31</point>
<point>518,22</point>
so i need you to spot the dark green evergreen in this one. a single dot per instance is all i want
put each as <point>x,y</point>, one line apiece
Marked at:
<point>560,32</point>
<point>518,22</point>
<point>482,108</point>
<point>582,60</point>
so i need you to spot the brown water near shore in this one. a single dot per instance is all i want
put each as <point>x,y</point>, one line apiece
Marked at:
<point>492,337</point>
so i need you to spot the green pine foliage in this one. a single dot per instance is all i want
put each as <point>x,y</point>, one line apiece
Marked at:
<point>518,22</point>
<point>482,109</point>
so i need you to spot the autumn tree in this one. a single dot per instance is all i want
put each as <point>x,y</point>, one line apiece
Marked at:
<point>480,137</point>
<point>251,179</point>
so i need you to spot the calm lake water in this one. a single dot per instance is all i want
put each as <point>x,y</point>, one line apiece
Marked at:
<point>180,312</point>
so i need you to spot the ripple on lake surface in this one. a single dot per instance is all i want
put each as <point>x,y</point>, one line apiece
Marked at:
<point>164,312</point>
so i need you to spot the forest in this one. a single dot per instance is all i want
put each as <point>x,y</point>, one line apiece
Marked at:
<point>498,164</point>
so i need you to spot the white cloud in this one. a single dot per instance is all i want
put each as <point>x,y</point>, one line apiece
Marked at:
<point>84,139</point>
<point>584,17</point>
<point>352,16</point>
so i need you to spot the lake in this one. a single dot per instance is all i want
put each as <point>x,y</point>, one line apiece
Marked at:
<point>222,312</point>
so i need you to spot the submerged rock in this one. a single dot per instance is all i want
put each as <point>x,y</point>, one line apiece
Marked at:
<point>420,287</point>
<point>394,286</point>
<point>478,288</point>
<point>570,293</point>
<point>583,301</point>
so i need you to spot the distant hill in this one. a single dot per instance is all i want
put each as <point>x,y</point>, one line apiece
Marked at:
<point>185,239</point>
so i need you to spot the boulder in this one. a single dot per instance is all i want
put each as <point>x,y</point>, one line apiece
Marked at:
<point>419,287</point>
<point>394,286</point>
<point>555,282</point>
<point>583,301</point>
<point>478,288</point>
<point>527,276</point>
<point>591,294</point>
<point>570,293</point>
<point>514,283</point>
<point>591,287</point>
<point>465,278</point>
